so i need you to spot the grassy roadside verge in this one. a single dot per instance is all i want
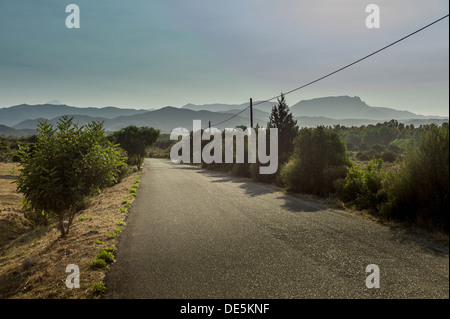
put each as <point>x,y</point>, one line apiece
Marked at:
<point>33,260</point>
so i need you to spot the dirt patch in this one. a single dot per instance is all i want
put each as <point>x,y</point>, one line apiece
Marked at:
<point>33,260</point>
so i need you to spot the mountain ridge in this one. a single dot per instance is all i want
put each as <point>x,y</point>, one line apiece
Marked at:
<point>15,114</point>
<point>342,110</point>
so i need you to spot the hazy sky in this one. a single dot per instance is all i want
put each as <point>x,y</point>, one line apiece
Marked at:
<point>155,53</point>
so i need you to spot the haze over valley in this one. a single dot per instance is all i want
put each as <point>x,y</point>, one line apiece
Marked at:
<point>334,110</point>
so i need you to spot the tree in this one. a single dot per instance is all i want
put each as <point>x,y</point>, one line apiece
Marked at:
<point>135,141</point>
<point>282,118</point>
<point>63,167</point>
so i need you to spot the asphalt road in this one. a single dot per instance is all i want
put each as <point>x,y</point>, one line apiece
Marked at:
<point>196,234</point>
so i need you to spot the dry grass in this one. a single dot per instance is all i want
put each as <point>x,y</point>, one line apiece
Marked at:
<point>50,254</point>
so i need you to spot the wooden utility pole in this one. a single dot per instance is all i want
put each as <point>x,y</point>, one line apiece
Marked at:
<point>251,113</point>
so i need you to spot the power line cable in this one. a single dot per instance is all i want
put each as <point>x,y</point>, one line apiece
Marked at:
<point>338,70</point>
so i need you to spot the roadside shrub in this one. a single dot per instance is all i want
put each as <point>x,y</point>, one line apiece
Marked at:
<point>319,160</point>
<point>109,249</point>
<point>98,288</point>
<point>126,202</point>
<point>418,191</point>
<point>106,255</point>
<point>362,186</point>
<point>98,264</point>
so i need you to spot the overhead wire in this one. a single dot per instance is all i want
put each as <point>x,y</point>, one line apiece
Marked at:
<point>336,71</point>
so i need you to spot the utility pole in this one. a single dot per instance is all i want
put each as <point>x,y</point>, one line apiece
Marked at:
<point>251,113</point>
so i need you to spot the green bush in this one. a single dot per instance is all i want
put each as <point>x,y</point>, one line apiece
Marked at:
<point>116,232</point>
<point>106,255</point>
<point>418,192</point>
<point>98,288</point>
<point>109,249</point>
<point>98,264</point>
<point>319,160</point>
<point>64,166</point>
<point>362,186</point>
<point>126,202</point>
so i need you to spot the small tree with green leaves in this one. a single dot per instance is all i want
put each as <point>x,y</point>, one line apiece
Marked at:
<point>65,165</point>
<point>135,141</point>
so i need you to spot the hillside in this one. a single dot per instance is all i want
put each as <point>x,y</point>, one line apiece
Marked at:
<point>169,118</point>
<point>346,107</point>
<point>264,107</point>
<point>13,115</point>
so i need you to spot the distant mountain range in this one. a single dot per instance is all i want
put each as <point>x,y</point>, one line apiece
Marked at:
<point>343,110</point>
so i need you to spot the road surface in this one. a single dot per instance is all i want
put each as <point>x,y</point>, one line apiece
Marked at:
<point>197,234</point>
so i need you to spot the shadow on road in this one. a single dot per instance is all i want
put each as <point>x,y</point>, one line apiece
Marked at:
<point>251,188</point>
<point>297,205</point>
